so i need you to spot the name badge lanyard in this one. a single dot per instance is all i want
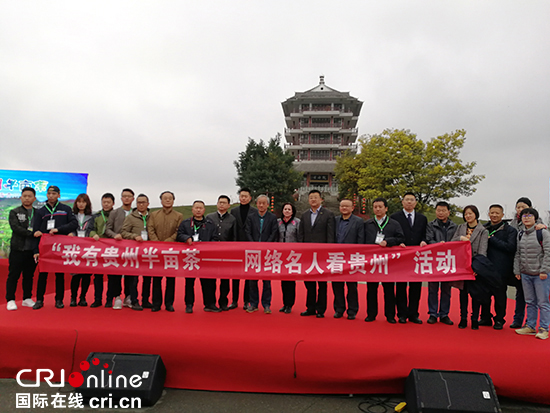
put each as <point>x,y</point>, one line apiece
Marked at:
<point>52,211</point>
<point>51,222</point>
<point>196,229</point>
<point>144,234</point>
<point>29,227</point>
<point>383,226</point>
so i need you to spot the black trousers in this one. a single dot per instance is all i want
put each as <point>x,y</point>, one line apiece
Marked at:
<point>208,286</point>
<point>59,286</point>
<point>235,284</point>
<point>340,301</point>
<point>389,299</point>
<point>316,298</point>
<point>224,293</point>
<point>476,305</point>
<point>169,293</point>
<point>146,289</point>
<point>501,300</point>
<point>75,283</point>
<point>408,308</point>
<point>98,287</point>
<point>131,287</point>
<point>114,287</point>
<point>20,262</point>
<point>289,293</point>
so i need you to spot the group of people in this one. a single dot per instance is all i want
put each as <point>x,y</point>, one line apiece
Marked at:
<point>515,253</point>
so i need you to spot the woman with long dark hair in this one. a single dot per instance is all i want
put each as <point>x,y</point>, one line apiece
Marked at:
<point>82,209</point>
<point>288,232</point>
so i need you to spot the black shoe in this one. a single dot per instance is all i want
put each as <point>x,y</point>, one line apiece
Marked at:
<point>351,316</point>
<point>432,320</point>
<point>282,309</point>
<point>402,320</point>
<point>475,325</point>
<point>288,310</point>
<point>338,315</point>
<point>485,323</point>
<point>370,319</point>
<point>96,304</point>
<point>212,309</point>
<point>82,303</point>
<point>319,315</point>
<point>245,306</point>
<point>415,320</point>
<point>146,304</point>
<point>233,305</point>
<point>136,307</point>
<point>515,325</point>
<point>59,304</point>
<point>463,323</point>
<point>189,309</point>
<point>154,309</point>
<point>307,312</point>
<point>392,320</point>
<point>498,325</point>
<point>446,320</point>
<point>38,305</point>
<point>169,308</point>
<point>224,308</point>
<point>109,304</point>
<point>72,304</point>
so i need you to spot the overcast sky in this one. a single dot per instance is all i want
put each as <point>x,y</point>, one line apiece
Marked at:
<point>164,95</point>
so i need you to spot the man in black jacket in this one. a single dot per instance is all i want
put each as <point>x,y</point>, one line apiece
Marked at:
<point>226,226</point>
<point>413,225</point>
<point>199,229</point>
<point>316,225</point>
<point>350,229</point>
<point>22,246</point>
<point>500,251</point>
<point>261,227</point>
<point>440,229</point>
<point>386,232</point>
<point>241,213</point>
<point>52,218</point>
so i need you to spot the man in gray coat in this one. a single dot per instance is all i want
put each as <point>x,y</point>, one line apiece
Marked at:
<point>350,229</point>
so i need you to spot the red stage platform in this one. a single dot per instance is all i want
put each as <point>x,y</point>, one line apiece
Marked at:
<point>277,353</point>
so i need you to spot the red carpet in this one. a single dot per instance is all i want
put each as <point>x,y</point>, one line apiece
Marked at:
<point>277,353</point>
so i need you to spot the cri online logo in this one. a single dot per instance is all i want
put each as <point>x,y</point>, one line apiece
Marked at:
<point>77,379</point>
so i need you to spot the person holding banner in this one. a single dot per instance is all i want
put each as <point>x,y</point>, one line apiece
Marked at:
<point>241,214</point>
<point>441,229</point>
<point>413,225</point>
<point>475,233</point>
<point>199,229</point>
<point>261,227</point>
<point>350,229</point>
<point>22,246</point>
<point>135,228</point>
<point>52,218</point>
<point>163,226</point>
<point>386,232</point>
<point>112,230</point>
<point>97,231</point>
<point>288,232</point>
<point>316,225</point>
<point>82,208</point>
<point>226,225</point>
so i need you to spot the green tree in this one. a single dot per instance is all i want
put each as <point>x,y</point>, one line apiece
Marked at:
<point>267,169</point>
<point>396,161</point>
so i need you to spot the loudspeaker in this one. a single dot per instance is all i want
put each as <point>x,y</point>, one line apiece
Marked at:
<point>119,375</point>
<point>431,391</point>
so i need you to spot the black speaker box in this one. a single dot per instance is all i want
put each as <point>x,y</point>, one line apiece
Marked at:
<point>121,375</point>
<point>431,391</point>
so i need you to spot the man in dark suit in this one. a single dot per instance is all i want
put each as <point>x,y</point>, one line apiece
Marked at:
<point>241,213</point>
<point>413,225</point>
<point>350,229</point>
<point>317,225</point>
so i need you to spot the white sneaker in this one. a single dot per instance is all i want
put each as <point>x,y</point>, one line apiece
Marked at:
<point>118,304</point>
<point>542,334</point>
<point>526,331</point>
<point>28,302</point>
<point>127,302</point>
<point>11,305</point>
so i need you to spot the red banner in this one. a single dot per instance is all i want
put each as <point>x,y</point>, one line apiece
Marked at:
<point>257,260</point>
